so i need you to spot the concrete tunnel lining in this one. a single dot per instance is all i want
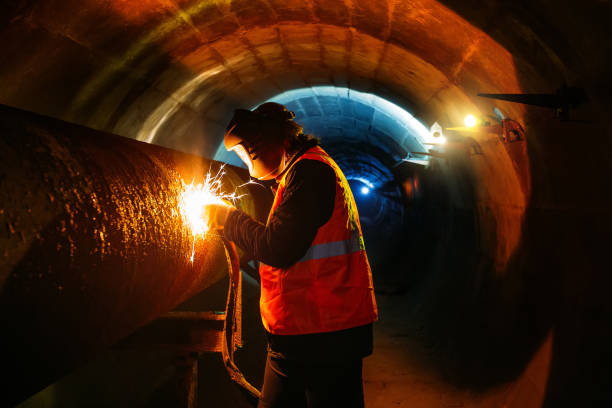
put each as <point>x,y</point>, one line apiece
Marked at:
<point>538,248</point>
<point>335,114</point>
<point>399,75</point>
<point>252,57</point>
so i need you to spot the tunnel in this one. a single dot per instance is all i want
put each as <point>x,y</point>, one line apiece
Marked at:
<point>487,237</point>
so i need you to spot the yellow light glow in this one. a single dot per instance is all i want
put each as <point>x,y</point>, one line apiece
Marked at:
<point>194,199</point>
<point>470,121</point>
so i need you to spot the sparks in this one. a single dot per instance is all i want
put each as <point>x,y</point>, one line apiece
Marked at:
<point>193,201</point>
<point>251,182</point>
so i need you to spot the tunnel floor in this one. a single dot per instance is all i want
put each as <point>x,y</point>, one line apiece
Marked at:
<point>404,370</point>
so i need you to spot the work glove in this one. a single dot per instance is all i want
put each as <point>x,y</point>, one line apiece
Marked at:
<point>217,215</point>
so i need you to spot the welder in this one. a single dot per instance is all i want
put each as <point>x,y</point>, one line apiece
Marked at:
<point>317,298</point>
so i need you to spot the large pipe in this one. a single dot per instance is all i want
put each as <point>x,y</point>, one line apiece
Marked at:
<point>92,243</point>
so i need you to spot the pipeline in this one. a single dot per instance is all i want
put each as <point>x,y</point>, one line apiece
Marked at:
<point>91,242</point>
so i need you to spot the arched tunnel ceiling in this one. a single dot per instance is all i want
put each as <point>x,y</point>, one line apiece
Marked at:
<point>172,71</point>
<point>341,115</point>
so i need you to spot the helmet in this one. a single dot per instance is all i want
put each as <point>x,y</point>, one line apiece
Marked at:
<point>275,112</point>
<point>257,137</point>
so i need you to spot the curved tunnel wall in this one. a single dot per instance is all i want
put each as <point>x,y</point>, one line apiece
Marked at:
<point>525,223</point>
<point>199,58</point>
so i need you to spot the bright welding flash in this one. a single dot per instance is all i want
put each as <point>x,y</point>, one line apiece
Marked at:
<point>193,200</point>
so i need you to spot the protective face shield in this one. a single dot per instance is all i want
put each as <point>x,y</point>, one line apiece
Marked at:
<point>244,156</point>
<point>264,159</point>
<point>268,164</point>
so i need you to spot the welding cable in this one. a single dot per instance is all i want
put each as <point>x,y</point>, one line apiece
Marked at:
<point>232,333</point>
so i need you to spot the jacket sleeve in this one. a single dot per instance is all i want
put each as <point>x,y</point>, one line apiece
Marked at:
<point>307,204</point>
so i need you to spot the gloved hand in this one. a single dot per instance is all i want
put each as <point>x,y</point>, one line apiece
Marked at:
<point>217,214</point>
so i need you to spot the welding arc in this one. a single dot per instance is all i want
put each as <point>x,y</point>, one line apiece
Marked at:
<point>232,334</point>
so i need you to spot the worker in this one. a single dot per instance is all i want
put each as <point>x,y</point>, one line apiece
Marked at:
<point>317,298</point>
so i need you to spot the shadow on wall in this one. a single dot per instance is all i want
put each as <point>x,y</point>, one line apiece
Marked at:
<point>482,323</point>
<point>490,296</point>
<point>566,241</point>
<point>560,267</point>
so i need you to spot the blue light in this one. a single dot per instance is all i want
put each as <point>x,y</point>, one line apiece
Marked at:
<point>394,115</point>
<point>365,190</point>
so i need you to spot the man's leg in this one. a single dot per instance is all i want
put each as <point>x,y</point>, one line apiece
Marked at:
<point>283,385</point>
<point>335,385</point>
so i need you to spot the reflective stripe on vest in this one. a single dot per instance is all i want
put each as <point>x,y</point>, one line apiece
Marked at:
<point>336,248</point>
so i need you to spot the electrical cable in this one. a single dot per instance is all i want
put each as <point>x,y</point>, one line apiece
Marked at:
<point>232,333</point>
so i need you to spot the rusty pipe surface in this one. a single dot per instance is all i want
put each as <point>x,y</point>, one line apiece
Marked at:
<point>92,243</point>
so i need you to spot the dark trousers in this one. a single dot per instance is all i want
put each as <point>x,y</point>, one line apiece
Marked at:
<point>297,384</point>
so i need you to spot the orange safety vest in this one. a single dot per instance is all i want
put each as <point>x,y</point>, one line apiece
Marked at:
<point>330,288</point>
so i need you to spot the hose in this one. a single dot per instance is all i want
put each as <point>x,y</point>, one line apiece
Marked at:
<point>232,333</point>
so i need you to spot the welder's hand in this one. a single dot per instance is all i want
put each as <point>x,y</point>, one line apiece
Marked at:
<point>217,214</point>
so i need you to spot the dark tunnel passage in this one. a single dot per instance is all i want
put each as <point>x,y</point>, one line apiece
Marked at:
<point>489,244</point>
<point>369,138</point>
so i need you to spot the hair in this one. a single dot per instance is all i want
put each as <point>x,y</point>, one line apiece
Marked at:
<point>270,122</point>
<point>279,124</point>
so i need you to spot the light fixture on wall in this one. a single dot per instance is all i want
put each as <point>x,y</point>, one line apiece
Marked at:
<point>470,121</point>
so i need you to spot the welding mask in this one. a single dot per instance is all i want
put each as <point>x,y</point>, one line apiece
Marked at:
<point>251,136</point>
